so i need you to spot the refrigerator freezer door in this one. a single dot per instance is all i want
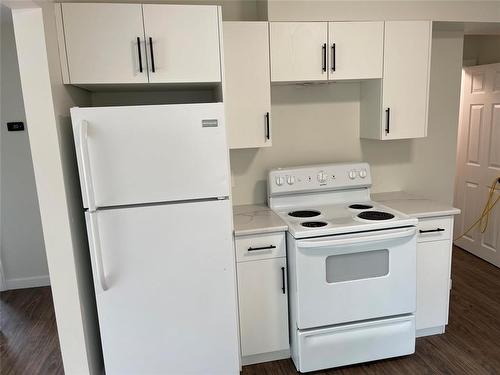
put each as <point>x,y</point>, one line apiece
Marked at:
<point>146,154</point>
<point>170,303</point>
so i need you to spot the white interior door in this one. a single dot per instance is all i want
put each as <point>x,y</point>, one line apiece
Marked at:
<point>170,301</point>
<point>356,50</point>
<point>145,154</point>
<point>101,43</point>
<point>299,51</point>
<point>247,96</point>
<point>184,43</point>
<point>478,160</point>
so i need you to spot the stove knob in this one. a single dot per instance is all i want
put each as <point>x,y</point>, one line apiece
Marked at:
<point>322,177</point>
<point>279,180</point>
<point>352,174</point>
<point>363,173</point>
<point>290,180</point>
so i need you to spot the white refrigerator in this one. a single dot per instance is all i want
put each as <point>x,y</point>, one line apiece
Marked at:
<point>155,186</point>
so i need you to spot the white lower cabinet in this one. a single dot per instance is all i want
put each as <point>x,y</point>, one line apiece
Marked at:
<point>263,300</point>
<point>434,247</point>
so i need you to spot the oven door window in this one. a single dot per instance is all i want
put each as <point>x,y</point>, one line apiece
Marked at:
<point>357,266</point>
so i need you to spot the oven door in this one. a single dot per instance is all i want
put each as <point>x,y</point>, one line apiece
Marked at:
<point>354,277</point>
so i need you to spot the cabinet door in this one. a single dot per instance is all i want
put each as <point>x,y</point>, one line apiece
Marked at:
<point>183,43</point>
<point>406,79</point>
<point>356,50</point>
<point>433,276</point>
<point>263,306</point>
<point>101,43</point>
<point>298,51</point>
<point>247,96</point>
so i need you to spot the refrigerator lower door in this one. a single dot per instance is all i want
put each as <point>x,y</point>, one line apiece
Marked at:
<point>165,288</point>
<point>149,154</point>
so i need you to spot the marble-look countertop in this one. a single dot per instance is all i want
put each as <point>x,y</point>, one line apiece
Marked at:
<point>256,219</point>
<point>414,205</point>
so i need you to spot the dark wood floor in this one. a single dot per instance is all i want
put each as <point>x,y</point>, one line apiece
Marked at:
<point>471,344</point>
<point>28,334</point>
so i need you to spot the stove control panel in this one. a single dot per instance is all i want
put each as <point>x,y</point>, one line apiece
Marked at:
<point>319,178</point>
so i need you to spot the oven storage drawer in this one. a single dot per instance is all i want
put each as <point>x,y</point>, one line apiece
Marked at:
<point>434,229</point>
<point>260,246</point>
<point>355,343</point>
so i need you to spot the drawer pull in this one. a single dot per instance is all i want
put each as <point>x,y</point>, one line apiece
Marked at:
<point>270,247</point>
<point>431,230</point>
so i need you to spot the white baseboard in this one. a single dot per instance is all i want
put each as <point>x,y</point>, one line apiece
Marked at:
<point>27,282</point>
<point>265,357</point>
<point>430,331</point>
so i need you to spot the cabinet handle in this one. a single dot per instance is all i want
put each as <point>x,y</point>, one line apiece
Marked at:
<point>139,52</point>
<point>262,248</point>
<point>334,59</point>
<point>268,134</point>
<point>387,120</point>
<point>324,57</point>
<point>431,230</point>
<point>283,280</point>
<point>152,54</point>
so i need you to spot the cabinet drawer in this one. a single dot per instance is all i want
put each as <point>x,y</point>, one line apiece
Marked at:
<point>434,229</point>
<point>260,246</point>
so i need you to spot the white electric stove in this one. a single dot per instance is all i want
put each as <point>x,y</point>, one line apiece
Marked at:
<point>351,267</point>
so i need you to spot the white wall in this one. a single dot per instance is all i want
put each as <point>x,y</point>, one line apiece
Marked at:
<point>22,248</point>
<point>47,102</point>
<point>484,49</point>
<point>316,124</point>
<point>345,10</point>
<point>433,167</point>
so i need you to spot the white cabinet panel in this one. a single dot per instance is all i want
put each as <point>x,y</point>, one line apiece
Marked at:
<point>185,43</point>
<point>433,275</point>
<point>101,43</point>
<point>298,51</point>
<point>263,306</point>
<point>396,107</point>
<point>406,79</point>
<point>356,50</point>
<point>247,96</point>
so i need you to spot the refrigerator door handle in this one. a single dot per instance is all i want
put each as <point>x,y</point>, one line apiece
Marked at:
<point>87,176</point>
<point>96,248</point>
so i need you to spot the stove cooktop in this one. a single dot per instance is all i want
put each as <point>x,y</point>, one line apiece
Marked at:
<point>313,221</point>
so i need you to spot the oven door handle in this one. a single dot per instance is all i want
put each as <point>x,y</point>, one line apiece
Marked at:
<point>357,238</point>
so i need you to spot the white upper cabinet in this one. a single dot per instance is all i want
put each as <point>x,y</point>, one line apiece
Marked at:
<point>299,51</point>
<point>104,43</point>
<point>182,43</point>
<point>356,50</point>
<point>247,98</point>
<point>407,54</point>
<point>132,43</point>
<point>396,107</point>
<point>319,51</point>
